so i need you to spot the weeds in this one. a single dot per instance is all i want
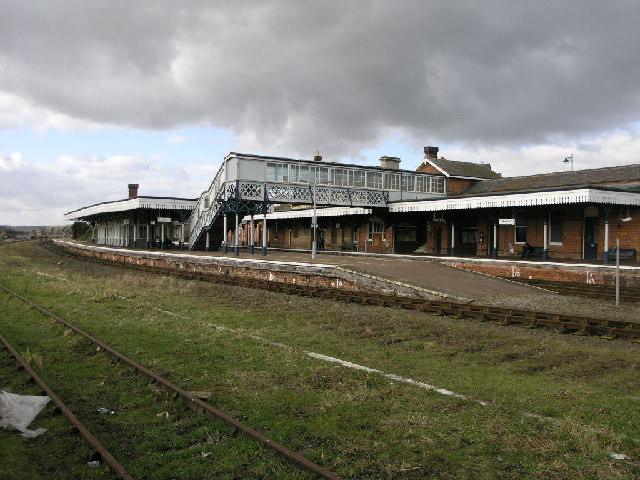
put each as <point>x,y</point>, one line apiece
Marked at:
<point>33,359</point>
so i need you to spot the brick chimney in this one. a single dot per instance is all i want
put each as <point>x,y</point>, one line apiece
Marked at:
<point>133,190</point>
<point>317,157</point>
<point>431,152</point>
<point>391,163</point>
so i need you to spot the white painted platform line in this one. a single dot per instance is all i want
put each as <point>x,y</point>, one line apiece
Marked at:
<point>41,274</point>
<point>395,378</point>
<point>194,258</point>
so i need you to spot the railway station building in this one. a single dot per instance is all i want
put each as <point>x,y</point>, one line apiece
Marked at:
<point>473,211</point>
<point>440,207</point>
<point>138,221</point>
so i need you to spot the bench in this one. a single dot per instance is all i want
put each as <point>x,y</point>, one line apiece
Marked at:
<point>533,252</point>
<point>625,253</point>
<point>350,246</point>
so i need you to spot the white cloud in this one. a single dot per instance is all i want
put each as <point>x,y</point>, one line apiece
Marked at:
<point>330,75</point>
<point>40,193</point>
<point>176,139</point>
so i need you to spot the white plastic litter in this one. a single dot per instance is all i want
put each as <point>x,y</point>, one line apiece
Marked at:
<point>18,411</point>
<point>620,456</point>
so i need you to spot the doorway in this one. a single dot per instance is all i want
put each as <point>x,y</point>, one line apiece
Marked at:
<point>590,237</point>
<point>437,232</point>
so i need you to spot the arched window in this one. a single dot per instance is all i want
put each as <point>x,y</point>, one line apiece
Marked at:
<point>521,227</point>
<point>555,226</point>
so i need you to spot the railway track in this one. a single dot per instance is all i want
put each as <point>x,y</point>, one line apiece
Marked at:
<point>578,325</point>
<point>600,292</point>
<point>191,400</point>
<point>100,452</point>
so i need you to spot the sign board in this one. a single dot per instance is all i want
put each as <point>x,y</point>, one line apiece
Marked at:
<point>506,221</point>
<point>164,220</point>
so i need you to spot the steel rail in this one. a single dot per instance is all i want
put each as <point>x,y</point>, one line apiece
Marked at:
<point>527,318</point>
<point>629,294</point>
<point>104,454</point>
<point>192,401</point>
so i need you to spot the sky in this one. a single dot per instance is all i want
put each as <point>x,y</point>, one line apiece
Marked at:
<point>98,94</point>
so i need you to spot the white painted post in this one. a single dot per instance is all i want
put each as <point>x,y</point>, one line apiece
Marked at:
<point>617,272</point>
<point>162,236</point>
<point>606,241</point>
<point>452,240</point>
<point>545,232</point>
<point>314,224</point>
<point>206,245</point>
<point>495,239</point>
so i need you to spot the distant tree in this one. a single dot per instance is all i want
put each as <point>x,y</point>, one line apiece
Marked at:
<point>79,229</point>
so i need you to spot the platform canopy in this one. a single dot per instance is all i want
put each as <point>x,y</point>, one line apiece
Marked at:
<point>131,204</point>
<point>320,212</point>
<point>592,195</point>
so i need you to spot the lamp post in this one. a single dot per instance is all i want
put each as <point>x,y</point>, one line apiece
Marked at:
<point>314,222</point>
<point>569,159</point>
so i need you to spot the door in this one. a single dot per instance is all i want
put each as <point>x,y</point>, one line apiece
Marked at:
<point>590,237</point>
<point>438,240</point>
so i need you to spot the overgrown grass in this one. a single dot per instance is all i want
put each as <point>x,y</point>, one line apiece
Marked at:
<point>359,424</point>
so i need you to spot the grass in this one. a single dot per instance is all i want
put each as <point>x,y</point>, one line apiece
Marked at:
<point>358,424</point>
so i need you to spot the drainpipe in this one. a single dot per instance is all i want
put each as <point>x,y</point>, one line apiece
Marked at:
<point>252,248</point>
<point>264,235</point>
<point>235,239</point>
<point>224,238</point>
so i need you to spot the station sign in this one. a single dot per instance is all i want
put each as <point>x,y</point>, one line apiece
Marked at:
<point>164,220</point>
<point>506,221</point>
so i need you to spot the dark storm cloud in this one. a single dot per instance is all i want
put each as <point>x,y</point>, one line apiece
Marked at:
<point>290,76</point>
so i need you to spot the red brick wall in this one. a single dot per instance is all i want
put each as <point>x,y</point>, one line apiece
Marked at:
<point>555,274</point>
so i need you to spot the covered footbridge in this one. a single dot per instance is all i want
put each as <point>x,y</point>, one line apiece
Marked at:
<point>251,185</point>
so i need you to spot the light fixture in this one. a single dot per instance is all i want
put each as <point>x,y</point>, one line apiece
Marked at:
<point>569,159</point>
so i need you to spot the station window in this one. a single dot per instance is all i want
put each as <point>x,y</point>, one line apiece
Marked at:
<point>437,185</point>
<point>322,176</point>
<point>422,184</point>
<point>555,227</point>
<point>356,178</point>
<point>408,183</point>
<point>468,236</point>
<point>521,227</point>
<point>392,181</point>
<point>406,234</point>
<point>374,179</point>
<point>375,226</point>
<point>339,177</point>
<point>299,173</point>
<point>277,172</point>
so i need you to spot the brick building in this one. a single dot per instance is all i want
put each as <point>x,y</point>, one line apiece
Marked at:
<point>563,215</point>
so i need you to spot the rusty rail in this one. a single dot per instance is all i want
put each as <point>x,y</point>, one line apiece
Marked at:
<point>191,400</point>
<point>104,454</point>
<point>606,292</point>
